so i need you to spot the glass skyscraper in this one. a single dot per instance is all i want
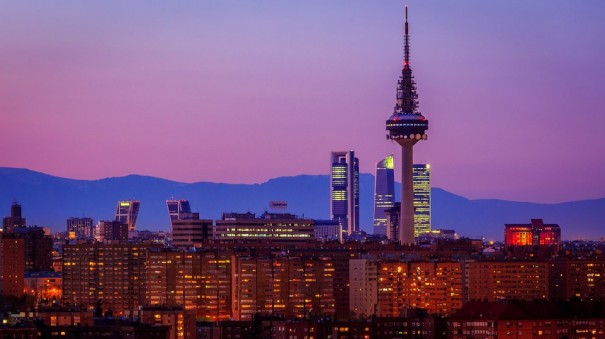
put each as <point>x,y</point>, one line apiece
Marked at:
<point>344,190</point>
<point>422,198</point>
<point>179,209</point>
<point>384,193</point>
<point>127,213</point>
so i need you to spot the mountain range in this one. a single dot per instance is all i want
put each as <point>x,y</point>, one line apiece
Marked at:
<point>48,201</point>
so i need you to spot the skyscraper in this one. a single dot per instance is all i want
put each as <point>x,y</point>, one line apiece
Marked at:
<point>344,190</point>
<point>406,126</point>
<point>384,193</point>
<point>179,209</point>
<point>127,212</point>
<point>422,199</point>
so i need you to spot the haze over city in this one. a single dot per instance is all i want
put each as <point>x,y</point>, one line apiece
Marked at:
<point>241,91</point>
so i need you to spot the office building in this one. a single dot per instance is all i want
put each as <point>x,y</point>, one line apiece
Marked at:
<point>535,234</point>
<point>327,230</point>
<point>344,190</point>
<point>188,230</point>
<point>406,126</point>
<point>111,232</point>
<point>422,199</point>
<point>191,232</point>
<point>179,209</point>
<point>384,193</point>
<point>276,227</point>
<point>14,220</point>
<point>127,212</point>
<point>80,228</point>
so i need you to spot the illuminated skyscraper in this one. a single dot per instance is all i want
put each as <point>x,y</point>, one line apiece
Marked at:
<point>344,190</point>
<point>422,199</point>
<point>406,126</point>
<point>384,193</point>
<point>127,212</point>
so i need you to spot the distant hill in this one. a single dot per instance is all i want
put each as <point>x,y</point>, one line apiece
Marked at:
<point>49,201</point>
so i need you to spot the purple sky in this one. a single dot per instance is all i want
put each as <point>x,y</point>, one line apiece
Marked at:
<point>243,91</point>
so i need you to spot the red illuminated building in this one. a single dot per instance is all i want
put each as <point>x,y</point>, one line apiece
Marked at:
<point>537,233</point>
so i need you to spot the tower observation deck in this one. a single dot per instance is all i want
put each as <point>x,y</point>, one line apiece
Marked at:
<point>406,126</point>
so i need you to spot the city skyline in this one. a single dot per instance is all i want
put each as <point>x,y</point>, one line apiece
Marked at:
<point>250,90</point>
<point>172,75</point>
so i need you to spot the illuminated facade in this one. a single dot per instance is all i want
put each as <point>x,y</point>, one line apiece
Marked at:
<point>259,285</point>
<point>44,285</point>
<point>497,280</point>
<point>537,233</point>
<point>283,286</point>
<point>434,286</point>
<point>384,193</point>
<point>199,281</point>
<point>389,288</point>
<point>344,190</point>
<point>111,273</point>
<point>279,227</point>
<point>406,126</point>
<point>422,199</point>
<point>127,212</point>
<point>311,287</point>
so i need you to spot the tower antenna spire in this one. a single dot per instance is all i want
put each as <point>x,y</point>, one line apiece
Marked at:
<point>406,39</point>
<point>407,126</point>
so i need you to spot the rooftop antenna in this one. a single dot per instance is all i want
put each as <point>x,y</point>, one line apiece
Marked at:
<point>406,39</point>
